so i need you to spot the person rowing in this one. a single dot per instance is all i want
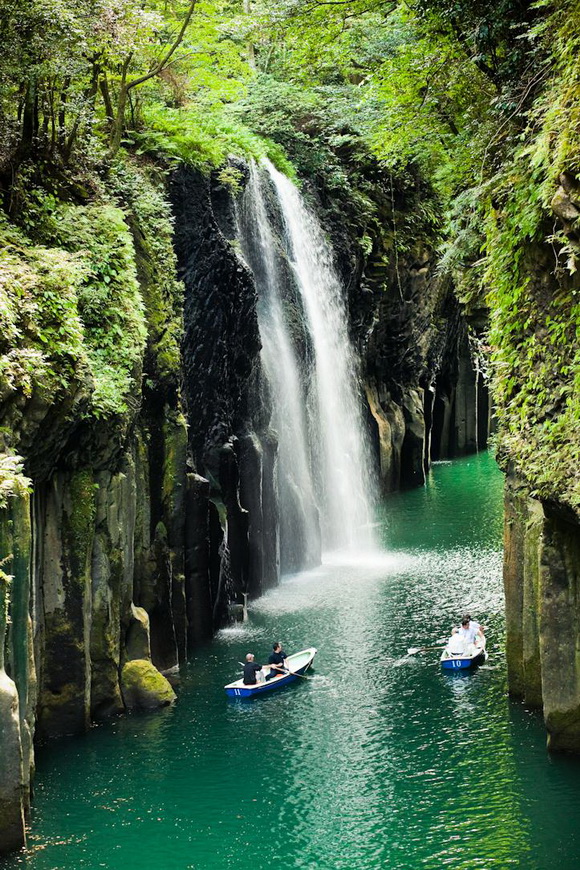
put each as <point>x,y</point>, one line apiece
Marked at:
<point>469,630</point>
<point>277,661</point>
<point>251,669</point>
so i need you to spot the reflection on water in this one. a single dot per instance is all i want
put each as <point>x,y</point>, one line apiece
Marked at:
<point>381,760</point>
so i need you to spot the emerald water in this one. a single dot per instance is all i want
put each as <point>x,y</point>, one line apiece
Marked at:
<point>378,761</point>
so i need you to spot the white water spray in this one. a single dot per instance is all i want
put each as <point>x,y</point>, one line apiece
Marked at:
<point>299,517</point>
<point>341,449</point>
<point>317,406</point>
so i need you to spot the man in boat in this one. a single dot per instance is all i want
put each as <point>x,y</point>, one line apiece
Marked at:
<point>475,625</point>
<point>277,661</point>
<point>470,630</point>
<point>250,670</point>
<point>456,644</point>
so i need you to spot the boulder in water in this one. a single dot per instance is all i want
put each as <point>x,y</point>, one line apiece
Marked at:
<point>144,687</point>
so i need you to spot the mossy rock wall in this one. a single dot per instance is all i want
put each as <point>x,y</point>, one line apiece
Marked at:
<point>63,590</point>
<point>12,830</point>
<point>89,399</point>
<point>542,584</point>
<point>17,676</point>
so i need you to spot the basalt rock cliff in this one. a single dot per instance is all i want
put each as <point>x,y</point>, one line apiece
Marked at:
<point>426,389</point>
<point>539,449</point>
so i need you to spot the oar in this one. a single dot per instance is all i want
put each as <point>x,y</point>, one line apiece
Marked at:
<point>303,676</point>
<point>413,650</point>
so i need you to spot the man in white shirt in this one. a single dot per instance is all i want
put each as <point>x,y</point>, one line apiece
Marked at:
<point>456,644</point>
<point>470,630</point>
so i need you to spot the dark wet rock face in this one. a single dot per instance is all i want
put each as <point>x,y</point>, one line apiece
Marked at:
<point>227,404</point>
<point>221,340</point>
<point>426,398</point>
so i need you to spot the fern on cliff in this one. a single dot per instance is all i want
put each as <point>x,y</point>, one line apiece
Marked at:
<point>532,273</point>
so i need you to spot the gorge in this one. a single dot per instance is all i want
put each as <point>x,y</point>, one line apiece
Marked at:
<point>258,272</point>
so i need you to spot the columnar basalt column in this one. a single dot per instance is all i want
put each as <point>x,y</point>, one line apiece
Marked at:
<point>560,629</point>
<point>12,831</point>
<point>542,585</point>
<point>65,590</point>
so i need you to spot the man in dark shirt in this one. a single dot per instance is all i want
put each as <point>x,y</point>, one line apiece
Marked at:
<point>276,661</point>
<point>250,670</point>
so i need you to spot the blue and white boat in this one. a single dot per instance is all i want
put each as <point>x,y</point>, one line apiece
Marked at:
<point>297,665</point>
<point>471,654</point>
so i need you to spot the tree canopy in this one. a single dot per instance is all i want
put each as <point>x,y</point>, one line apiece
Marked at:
<point>480,98</point>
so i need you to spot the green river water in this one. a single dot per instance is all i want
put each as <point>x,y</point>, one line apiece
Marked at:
<point>378,761</point>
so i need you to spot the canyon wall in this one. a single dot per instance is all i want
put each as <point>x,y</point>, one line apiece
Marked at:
<point>539,449</point>
<point>425,378</point>
<point>542,584</point>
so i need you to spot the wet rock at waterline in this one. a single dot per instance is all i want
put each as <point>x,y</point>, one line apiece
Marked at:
<point>11,773</point>
<point>542,582</point>
<point>144,687</point>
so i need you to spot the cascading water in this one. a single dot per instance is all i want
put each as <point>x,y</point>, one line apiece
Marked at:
<point>341,451</point>
<point>300,543</point>
<point>312,370</point>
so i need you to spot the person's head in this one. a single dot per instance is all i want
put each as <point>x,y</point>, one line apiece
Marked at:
<point>466,616</point>
<point>277,646</point>
<point>250,657</point>
<point>465,622</point>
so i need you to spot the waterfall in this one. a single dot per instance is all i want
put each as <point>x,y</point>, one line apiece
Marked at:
<point>299,518</point>
<point>341,450</point>
<point>312,371</point>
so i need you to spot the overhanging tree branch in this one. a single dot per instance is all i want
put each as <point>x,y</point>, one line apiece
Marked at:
<point>160,65</point>
<point>126,86</point>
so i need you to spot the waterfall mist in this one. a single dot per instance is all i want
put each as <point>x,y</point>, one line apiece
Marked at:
<point>312,370</point>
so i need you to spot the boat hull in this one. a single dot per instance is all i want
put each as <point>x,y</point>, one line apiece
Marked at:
<point>460,664</point>
<point>451,662</point>
<point>298,665</point>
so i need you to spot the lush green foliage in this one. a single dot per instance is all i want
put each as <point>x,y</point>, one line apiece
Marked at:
<point>470,109</point>
<point>101,312</point>
<point>147,212</point>
<point>532,273</point>
<point>78,306</point>
<point>484,98</point>
<point>12,482</point>
<point>42,332</point>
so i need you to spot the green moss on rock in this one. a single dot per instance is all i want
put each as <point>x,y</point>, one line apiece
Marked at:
<point>143,687</point>
<point>80,518</point>
<point>149,217</point>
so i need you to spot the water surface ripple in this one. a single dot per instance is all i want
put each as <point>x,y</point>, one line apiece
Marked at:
<point>378,761</point>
